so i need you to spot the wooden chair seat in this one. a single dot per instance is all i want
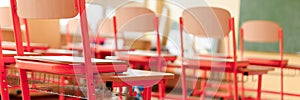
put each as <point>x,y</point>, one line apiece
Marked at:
<point>208,63</point>
<point>8,56</point>
<point>297,67</point>
<point>67,64</point>
<point>249,70</point>
<point>33,46</point>
<point>144,56</point>
<point>98,48</point>
<point>216,56</point>
<point>266,62</point>
<point>137,75</point>
<point>58,52</point>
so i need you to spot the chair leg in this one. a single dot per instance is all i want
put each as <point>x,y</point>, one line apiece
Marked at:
<point>4,88</point>
<point>235,86</point>
<point>281,84</point>
<point>195,88</point>
<point>130,91</point>
<point>243,88</point>
<point>203,85</point>
<point>183,84</point>
<point>162,89</point>
<point>147,93</point>
<point>229,85</point>
<point>259,87</point>
<point>62,80</point>
<point>24,85</point>
<point>120,91</point>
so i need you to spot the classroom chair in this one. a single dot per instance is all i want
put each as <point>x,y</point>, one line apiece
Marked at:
<point>7,56</point>
<point>263,31</point>
<point>66,65</point>
<point>215,23</point>
<point>138,19</point>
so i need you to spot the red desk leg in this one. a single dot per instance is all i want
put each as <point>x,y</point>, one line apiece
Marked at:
<point>130,91</point>
<point>147,93</point>
<point>24,85</point>
<point>243,88</point>
<point>62,81</point>
<point>259,87</point>
<point>162,89</point>
<point>4,90</point>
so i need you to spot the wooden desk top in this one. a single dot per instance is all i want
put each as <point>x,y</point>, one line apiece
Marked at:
<point>10,53</point>
<point>256,69</point>
<point>249,69</point>
<point>58,51</point>
<point>214,59</point>
<point>133,74</point>
<point>293,59</point>
<point>67,60</point>
<point>8,43</point>
<point>144,53</point>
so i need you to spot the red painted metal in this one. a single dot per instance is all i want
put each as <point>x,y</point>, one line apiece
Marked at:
<point>62,82</point>
<point>161,85</point>
<point>115,33</point>
<point>203,84</point>
<point>281,46</point>
<point>273,92</point>
<point>86,50</point>
<point>242,43</point>
<point>269,62</point>
<point>3,81</point>
<point>228,45</point>
<point>229,85</point>
<point>183,77</point>
<point>259,87</point>
<point>20,49</point>
<point>235,80</point>
<point>27,36</point>
<point>243,88</point>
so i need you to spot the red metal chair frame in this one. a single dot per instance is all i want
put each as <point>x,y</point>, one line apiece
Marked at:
<point>233,67</point>
<point>142,60</point>
<point>281,63</point>
<point>87,57</point>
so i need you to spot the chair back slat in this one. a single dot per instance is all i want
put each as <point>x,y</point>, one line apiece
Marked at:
<point>206,21</point>
<point>5,17</point>
<point>46,9</point>
<point>261,31</point>
<point>135,19</point>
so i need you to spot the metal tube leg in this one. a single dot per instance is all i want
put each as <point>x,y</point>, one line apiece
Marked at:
<point>62,82</point>
<point>120,91</point>
<point>203,85</point>
<point>162,89</point>
<point>24,85</point>
<point>243,88</point>
<point>130,91</point>
<point>147,93</point>
<point>183,84</point>
<point>235,86</point>
<point>259,87</point>
<point>4,88</point>
<point>281,84</point>
<point>195,88</point>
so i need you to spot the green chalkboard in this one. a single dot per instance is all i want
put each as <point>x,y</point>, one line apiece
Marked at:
<point>284,12</point>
